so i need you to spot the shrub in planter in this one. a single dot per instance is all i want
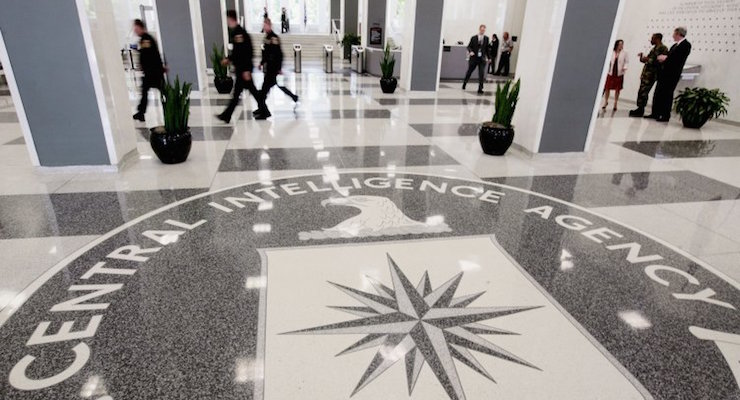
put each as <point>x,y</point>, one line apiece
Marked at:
<point>388,83</point>
<point>349,40</point>
<point>172,142</point>
<point>224,83</point>
<point>497,135</point>
<point>698,105</point>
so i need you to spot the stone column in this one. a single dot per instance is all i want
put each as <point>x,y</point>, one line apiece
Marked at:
<point>67,82</point>
<point>422,45</point>
<point>563,49</point>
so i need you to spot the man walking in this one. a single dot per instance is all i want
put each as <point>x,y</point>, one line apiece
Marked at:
<point>478,50</point>
<point>272,65</point>
<point>649,73</point>
<point>241,57</point>
<point>507,46</point>
<point>151,64</point>
<point>669,76</point>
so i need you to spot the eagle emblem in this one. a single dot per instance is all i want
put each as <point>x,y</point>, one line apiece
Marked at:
<point>379,216</point>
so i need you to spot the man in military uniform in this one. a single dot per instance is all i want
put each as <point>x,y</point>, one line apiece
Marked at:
<point>151,64</point>
<point>271,64</point>
<point>241,57</point>
<point>649,73</point>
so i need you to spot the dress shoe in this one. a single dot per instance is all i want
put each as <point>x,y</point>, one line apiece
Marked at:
<point>663,119</point>
<point>464,84</point>
<point>651,116</point>
<point>139,117</point>
<point>480,91</point>
<point>262,115</point>
<point>225,118</point>
<point>295,98</point>
<point>637,112</point>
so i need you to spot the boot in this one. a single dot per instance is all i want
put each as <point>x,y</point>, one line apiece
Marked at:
<point>637,112</point>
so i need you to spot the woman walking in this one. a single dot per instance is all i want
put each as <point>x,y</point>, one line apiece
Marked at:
<point>615,77</point>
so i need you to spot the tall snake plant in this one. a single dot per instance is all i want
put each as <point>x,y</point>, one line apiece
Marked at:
<point>176,105</point>
<point>506,98</point>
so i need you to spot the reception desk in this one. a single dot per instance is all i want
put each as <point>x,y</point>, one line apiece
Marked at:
<point>455,63</point>
<point>373,57</point>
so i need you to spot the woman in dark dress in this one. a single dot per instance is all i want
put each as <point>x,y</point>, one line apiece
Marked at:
<point>492,53</point>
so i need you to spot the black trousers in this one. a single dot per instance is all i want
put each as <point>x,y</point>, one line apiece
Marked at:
<point>480,63</point>
<point>146,84</point>
<point>663,98</point>
<point>267,84</point>
<point>503,64</point>
<point>492,65</point>
<point>240,86</point>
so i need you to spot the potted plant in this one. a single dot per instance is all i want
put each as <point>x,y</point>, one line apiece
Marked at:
<point>348,41</point>
<point>698,105</point>
<point>497,135</point>
<point>224,83</point>
<point>172,142</point>
<point>387,82</point>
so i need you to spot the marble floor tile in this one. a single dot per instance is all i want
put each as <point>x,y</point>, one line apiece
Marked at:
<point>627,188</point>
<point>199,133</point>
<point>728,264</point>
<point>24,260</point>
<point>6,117</point>
<point>687,148</point>
<point>430,130</point>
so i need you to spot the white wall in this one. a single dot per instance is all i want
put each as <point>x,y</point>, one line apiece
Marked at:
<point>462,18</point>
<point>716,44</point>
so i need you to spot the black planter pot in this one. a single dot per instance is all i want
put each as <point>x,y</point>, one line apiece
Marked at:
<point>495,139</point>
<point>224,85</point>
<point>694,122</point>
<point>170,148</point>
<point>388,85</point>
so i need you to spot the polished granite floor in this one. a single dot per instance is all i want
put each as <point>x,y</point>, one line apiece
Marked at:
<point>362,245</point>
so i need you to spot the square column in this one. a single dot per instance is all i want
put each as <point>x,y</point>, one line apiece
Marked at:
<point>67,82</point>
<point>422,45</point>
<point>561,64</point>
<point>182,41</point>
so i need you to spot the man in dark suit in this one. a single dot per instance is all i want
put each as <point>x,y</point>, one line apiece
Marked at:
<point>478,50</point>
<point>669,75</point>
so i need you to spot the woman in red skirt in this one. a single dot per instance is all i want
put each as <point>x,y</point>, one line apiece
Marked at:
<point>615,78</point>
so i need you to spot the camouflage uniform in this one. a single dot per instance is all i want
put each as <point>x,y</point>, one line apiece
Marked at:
<point>650,74</point>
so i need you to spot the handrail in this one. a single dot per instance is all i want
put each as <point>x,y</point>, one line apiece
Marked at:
<point>335,30</point>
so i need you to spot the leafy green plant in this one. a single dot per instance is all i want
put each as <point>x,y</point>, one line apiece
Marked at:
<point>387,63</point>
<point>220,71</point>
<point>350,39</point>
<point>176,105</point>
<point>698,105</point>
<point>507,97</point>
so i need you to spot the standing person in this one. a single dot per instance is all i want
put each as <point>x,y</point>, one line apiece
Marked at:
<point>669,75</point>
<point>151,64</point>
<point>492,54</point>
<point>649,73</point>
<point>285,24</point>
<point>272,65</point>
<point>241,57</point>
<point>478,50</point>
<point>506,48</point>
<point>265,15</point>
<point>615,77</point>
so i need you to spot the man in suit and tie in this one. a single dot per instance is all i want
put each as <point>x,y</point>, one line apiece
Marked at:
<point>478,50</point>
<point>669,75</point>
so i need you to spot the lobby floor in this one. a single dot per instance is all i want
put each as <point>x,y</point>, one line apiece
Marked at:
<point>362,245</point>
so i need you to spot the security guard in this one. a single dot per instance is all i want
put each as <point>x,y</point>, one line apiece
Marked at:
<point>649,73</point>
<point>151,64</point>
<point>272,64</point>
<point>241,57</point>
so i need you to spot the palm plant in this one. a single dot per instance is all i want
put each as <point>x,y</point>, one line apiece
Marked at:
<point>698,105</point>
<point>388,63</point>
<point>176,106</point>
<point>507,97</point>
<point>219,70</point>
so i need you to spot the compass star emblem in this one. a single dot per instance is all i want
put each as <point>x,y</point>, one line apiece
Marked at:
<point>423,326</point>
